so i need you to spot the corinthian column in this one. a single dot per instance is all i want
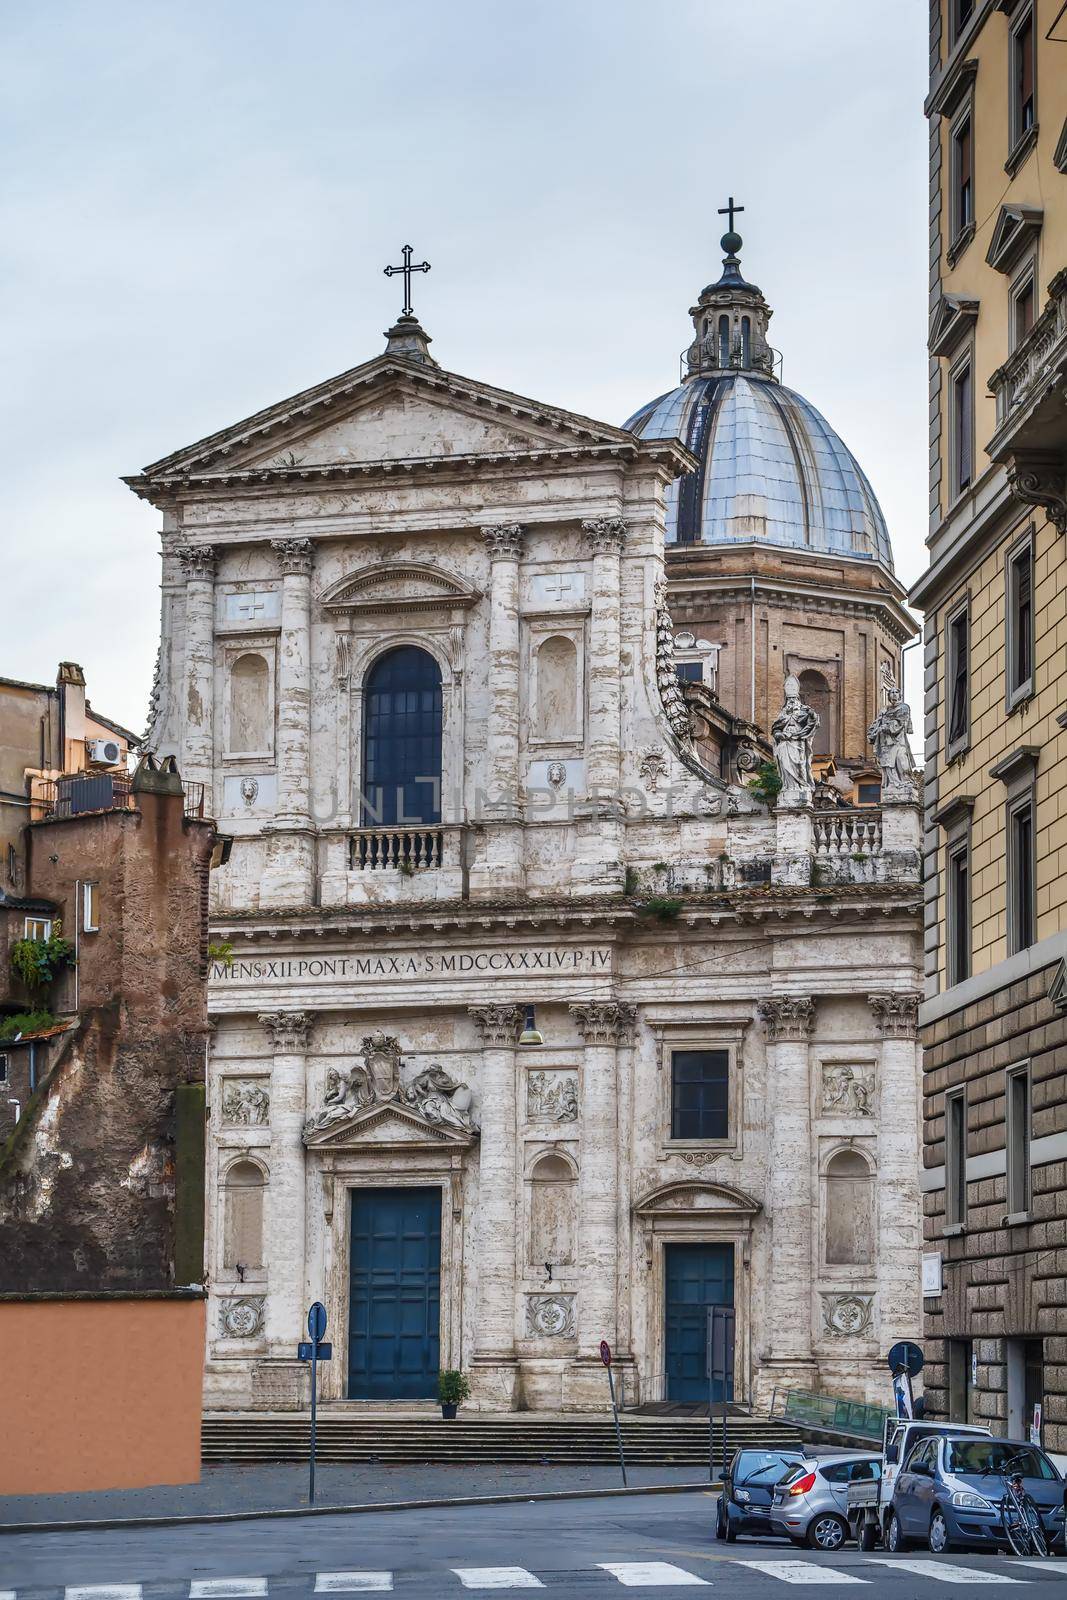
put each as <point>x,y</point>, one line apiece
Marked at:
<point>289,1033</point>
<point>897,1187</point>
<point>603,1025</point>
<point>294,683</point>
<point>198,701</point>
<point>504,543</point>
<point>493,1369</point>
<point>788,1019</point>
<point>606,537</point>
<point>289,874</point>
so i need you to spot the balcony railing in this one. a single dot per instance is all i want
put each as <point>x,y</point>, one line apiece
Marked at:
<point>856,834</point>
<point>1026,376</point>
<point>101,791</point>
<point>406,850</point>
<point>830,1414</point>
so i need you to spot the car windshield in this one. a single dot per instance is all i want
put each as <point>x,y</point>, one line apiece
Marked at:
<point>762,1466</point>
<point>980,1456</point>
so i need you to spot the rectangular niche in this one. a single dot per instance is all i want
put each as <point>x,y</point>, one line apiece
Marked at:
<point>555,683</point>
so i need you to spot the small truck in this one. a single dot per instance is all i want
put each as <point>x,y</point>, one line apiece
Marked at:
<point>869,1501</point>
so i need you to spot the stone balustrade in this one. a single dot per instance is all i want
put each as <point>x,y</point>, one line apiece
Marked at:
<point>405,850</point>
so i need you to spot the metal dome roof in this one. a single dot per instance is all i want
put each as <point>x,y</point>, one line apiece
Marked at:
<point>771,469</point>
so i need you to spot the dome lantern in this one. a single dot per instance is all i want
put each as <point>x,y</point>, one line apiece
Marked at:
<point>730,318</point>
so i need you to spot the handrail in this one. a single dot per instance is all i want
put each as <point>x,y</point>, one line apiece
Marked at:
<point>829,1412</point>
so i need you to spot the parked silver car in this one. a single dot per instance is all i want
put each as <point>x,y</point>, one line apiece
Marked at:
<point>810,1505</point>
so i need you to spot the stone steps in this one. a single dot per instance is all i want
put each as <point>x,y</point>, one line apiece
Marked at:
<point>518,1440</point>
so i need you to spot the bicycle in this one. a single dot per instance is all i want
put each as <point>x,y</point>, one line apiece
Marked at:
<point>1019,1516</point>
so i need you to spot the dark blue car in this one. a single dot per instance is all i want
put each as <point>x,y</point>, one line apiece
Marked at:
<point>948,1493</point>
<point>747,1483</point>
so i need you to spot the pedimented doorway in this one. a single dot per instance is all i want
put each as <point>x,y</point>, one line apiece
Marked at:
<point>394,1320</point>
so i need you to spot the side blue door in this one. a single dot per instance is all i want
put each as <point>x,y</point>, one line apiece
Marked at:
<point>395,1294</point>
<point>696,1276</point>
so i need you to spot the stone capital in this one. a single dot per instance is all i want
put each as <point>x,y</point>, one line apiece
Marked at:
<point>897,1015</point>
<point>498,1025</point>
<point>604,1021</point>
<point>290,1031</point>
<point>198,560</point>
<point>295,555</point>
<point>606,535</point>
<point>788,1017</point>
<point>504,540</point>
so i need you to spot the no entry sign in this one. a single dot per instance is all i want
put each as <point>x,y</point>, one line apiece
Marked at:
<point>605,1352</point>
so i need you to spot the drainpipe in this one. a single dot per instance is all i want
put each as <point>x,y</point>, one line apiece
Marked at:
<point>752,648</point>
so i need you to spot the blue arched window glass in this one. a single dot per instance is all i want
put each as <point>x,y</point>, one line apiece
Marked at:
<point>724,341</point>
<point>402,739</point>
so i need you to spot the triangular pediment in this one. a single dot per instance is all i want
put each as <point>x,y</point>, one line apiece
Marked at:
<point>687,1196</point>
<point>387,1127</point>
<point>398,586</point>
<point>952,319</point>
<point>1015,228</point>
<point>1057,989</point>
<point>391,410</point>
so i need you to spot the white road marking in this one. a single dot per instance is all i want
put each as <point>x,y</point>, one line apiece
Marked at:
<point>227,1588</point>
<point>105,1591</point>
<point>801,1572</point>
<point>649,1574</point>
<point>943,1571</point>
<point>497,1578</point>
<point>1055,1569</point>
<point>351,1582</point>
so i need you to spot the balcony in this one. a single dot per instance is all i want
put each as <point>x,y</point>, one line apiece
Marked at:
<point>1031,432</point>
<point>99,791</point>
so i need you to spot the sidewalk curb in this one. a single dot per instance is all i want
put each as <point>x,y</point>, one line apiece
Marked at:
<point>102,1524</point>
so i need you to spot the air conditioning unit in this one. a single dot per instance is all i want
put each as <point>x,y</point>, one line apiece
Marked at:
<point>106,752</point>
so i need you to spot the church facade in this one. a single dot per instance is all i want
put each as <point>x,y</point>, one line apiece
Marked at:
<point>535,1024</point>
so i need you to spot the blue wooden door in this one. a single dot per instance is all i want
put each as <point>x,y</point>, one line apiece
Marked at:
<point>696,1276</point>
<point>395,1294</point>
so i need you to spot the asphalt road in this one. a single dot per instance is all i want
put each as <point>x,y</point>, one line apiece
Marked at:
<point>579,1550</point>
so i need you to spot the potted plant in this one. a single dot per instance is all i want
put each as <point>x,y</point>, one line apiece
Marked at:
<point>452,1389</point>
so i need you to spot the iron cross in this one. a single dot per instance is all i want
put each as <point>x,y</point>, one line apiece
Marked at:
<point>407,269</point>
<point>728,211</point>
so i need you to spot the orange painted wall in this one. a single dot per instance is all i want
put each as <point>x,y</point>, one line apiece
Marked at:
<point>100,1394</point>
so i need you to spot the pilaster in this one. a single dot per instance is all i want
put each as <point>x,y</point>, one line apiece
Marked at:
<point>899,1202</point>
<point>198,732</point>
<point>288,878</point>
<point>493,1368</point>
<point>788,1020</point>
<point>290,1036</point>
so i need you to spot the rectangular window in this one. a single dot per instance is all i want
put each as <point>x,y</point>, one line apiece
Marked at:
<point>1021,908</point>
<point>962,11</point>
<point>90,908</point>
<point>690,671</point>
<point>962,428</point>
<point>3,1069</point>
<point>1018,1140</point>
<point>1023,308</point>
<point>699,1094</point>
<point>869,794</point>
<point>37,928</point>
<point>958,910</point>
<point>962,178</point>
<point>1023,64</point>
<point>958,681</point>
<point>1020,615</point>
<point>956,1158</point>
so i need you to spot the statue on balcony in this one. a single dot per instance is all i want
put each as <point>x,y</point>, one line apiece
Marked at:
<point>890,736</point>
<point>793,732</point>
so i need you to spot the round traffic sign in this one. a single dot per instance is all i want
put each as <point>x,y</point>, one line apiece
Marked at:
<point>317,1321</point>
<point>605,1352</point>
<point>906,1357</point>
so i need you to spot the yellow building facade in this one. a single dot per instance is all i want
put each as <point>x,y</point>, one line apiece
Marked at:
<point>995,845</point>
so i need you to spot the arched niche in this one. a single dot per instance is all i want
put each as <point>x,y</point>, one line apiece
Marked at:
<point>243,1186</point>
<point>815,691</point>
<point>848,1210</point>
<point>250,711</point>
<point>557,718</point>
<point>552,1181</point>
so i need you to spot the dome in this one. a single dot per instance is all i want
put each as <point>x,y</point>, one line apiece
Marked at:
<point>770,467</point>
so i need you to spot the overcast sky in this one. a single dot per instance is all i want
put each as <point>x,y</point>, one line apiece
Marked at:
<point>199,199</point>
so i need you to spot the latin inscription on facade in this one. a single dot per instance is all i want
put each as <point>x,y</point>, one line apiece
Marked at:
<point>414,964</point>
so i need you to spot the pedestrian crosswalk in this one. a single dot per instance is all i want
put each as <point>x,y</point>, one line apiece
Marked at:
<point>817,1571</point>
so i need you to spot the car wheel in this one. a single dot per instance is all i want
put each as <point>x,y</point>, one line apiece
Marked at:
<point>938,1539</point>
<point>731,1532</point>
<point>894,1539</point>
<point>827,1532</point>
<point>720,1524</point>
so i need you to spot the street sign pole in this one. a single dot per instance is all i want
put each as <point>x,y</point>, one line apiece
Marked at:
<point>605,1356</point>
<point>314,1350</point>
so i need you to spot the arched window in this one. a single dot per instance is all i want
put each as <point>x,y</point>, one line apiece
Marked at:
<point>815,692</point>
<point>250,705</point>
<point>402,739</point>
<point>557,689</point>
<point>724,341</point>
<point>242,1211</point>
<point>552,1212</point>
<point>849,1223</point>
<point>746,341</point>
